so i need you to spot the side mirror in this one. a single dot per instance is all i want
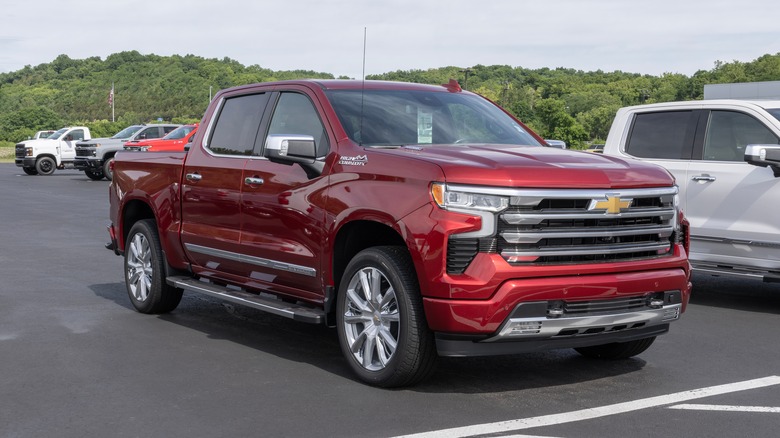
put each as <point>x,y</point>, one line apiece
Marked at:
<point>290,148</point>
<point>294,148</point>
<point>764,155</point>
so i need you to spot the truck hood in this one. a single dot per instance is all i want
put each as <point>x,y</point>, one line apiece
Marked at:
<point>101,140</point>
<point>536,167</point>
<point>37,142</point>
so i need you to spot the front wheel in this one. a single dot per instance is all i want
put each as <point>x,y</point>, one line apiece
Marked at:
<point>380,320</point>
<point>107,171</point>
<point>94,175</point>
<point>30,170</point>
<point>617,350</point>
<point>45,166</point>
<point>145,271</point>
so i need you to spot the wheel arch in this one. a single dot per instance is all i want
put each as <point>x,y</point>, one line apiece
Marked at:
<point>356,236</point>
<point>132,212</point>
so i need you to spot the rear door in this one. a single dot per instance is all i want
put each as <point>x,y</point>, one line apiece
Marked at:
<point>213,180</point>
<point>670,147</point>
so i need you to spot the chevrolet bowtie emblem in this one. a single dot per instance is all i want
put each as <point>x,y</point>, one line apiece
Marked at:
<point>613,204</point>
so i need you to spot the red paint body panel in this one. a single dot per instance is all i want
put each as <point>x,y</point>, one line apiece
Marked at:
<point>296,219</point>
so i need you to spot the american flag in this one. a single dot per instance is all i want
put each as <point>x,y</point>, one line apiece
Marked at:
<point>111,96</point>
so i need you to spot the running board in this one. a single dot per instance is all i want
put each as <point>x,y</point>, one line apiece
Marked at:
<point>237,296</point>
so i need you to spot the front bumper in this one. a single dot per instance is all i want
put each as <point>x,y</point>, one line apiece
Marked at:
<point>25,162</point>
<point>560,312</point>
<point>86,164</point>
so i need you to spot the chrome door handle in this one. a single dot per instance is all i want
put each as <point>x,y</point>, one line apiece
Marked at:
<point>253,181</point>
<point>703,178</point>
<point>194,177</point>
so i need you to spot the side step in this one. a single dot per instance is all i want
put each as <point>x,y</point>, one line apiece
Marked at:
<point>260,302</point>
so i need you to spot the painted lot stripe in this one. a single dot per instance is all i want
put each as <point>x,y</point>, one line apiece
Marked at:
<point>603,411</point>
<point>726,408</point>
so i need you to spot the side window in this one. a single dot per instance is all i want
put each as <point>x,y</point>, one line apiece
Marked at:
<point>151,132</point>
<point>728,132</point>
<point>295,114</point>
<point>168,129</point>
<point>77,134</point>
<point>661,135</point>
<point>235,130</point>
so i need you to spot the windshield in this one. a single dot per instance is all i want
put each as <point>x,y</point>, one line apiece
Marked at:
<point>179,133</point>
<point>775,112</point>
<point>57,134</point>
<point>127,132</point>
<point>395,117</point>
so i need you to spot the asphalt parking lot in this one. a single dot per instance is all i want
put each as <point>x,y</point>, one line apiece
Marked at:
<point>77,361</point>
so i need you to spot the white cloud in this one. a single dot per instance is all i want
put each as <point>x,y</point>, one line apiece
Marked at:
<point>644,37</point>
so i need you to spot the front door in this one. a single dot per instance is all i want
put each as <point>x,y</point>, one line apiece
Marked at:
<point>282,230</point>
<point>730,203</point>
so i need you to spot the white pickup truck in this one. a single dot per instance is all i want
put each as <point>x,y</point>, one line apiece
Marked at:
<point>44,155</point>
<point>725,156</point>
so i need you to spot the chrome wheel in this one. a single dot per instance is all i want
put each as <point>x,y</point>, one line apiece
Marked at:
<point>139,267</point>
<point>371,319</point>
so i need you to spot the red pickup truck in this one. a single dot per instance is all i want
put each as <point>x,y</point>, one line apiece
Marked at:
<point>420,221</point>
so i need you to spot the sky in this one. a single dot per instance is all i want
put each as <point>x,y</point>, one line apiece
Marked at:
<point>647,37</point>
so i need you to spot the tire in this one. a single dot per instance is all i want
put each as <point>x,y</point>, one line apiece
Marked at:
<point>380,320</point>
<point>45,166</point>
<point>30,170</point>
<point>617,350</point>
<point>145,271</point>
<point>107,169</point>
<point>94,175</point>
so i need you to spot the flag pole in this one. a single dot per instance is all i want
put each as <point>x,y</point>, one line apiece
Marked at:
<point>111,101</point>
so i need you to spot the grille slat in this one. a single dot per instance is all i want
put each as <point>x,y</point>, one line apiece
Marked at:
<point>587,226</point>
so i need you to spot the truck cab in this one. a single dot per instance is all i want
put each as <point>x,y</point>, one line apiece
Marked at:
<point>720,152</point>
<point>57,151</point>
<point>94,157</point>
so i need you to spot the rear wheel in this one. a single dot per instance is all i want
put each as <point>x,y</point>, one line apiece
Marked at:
<point>617,350</point>
<point>30,170</point>
<point>145,271</point>
<point>381,325</point>
<point>95,175</point>
<point>45,166</point>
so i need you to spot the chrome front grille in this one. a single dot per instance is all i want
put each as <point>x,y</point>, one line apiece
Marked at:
<point>587,226</point>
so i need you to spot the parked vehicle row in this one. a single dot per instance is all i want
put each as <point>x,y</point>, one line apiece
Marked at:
<point>74,147</point>
<point>95,156</point>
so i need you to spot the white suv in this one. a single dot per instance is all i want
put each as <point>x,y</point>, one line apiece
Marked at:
<point>724,155</point>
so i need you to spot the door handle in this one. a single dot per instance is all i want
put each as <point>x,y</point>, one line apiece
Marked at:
<point>194,177</point>
<point>703,178</point>
<point>253,181</point>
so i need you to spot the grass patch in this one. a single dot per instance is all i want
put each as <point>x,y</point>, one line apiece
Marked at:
<point>6,153</point>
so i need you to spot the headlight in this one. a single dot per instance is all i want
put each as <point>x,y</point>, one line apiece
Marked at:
<point>470,200</point>
<point>28,152</point>
<point>463,198</point>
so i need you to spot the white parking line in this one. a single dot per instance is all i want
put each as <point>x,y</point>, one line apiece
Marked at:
<point>587,414</point>
<point>726,408</point>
